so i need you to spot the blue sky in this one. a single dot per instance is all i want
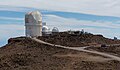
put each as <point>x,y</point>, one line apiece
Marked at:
<point>98,17</point>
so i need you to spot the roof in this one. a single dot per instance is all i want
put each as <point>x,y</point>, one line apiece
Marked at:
<point>45,29</point>
<point>36,15</point>
<point>55,29</point>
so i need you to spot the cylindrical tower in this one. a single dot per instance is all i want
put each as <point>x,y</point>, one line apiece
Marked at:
<point>33,24</point>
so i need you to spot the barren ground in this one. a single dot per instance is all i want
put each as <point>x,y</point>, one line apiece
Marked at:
<point>81,40</point>
<point>25,54</point>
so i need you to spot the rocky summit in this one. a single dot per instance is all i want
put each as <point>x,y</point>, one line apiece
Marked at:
<point>23,53</point>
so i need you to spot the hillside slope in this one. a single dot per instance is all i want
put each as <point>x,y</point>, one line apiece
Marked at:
<point>73,40</point>
<point>24,54</point>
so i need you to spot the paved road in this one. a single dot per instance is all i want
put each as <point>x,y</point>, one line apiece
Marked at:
<point>80,49</point>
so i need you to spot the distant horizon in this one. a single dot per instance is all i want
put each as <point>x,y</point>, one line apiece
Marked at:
<point>5,41</point>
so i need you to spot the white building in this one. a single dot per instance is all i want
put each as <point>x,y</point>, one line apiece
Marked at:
<point>55,30</point>
<point>33,24</point>
<point>45,30</point>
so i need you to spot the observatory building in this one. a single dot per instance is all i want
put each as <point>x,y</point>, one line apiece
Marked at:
<point>33,24</point>
<point>45,29</point>
<point>55,30</point>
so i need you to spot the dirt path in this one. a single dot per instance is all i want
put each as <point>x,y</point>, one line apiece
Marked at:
<point>80,49</point>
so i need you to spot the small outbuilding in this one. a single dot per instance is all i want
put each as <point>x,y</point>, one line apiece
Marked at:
<point>45,30</point>
<point>55,30</point>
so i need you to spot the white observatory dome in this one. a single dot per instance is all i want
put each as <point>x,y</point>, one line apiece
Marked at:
<point>55,29</point>
<point>33,17</point>
<point>45,29</point>
<point>37,15</point>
